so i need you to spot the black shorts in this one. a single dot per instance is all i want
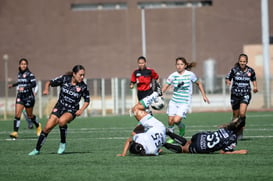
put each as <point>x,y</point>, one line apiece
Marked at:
<point>26,100</point>
<point>59,110</point>
<point>195,146</point>
<point>143,94</point>
<point>139,129</point>
<point>199,144</point>
<point>236,100</point>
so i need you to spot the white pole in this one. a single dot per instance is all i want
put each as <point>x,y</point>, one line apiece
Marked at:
<point>116,97</point>
<point>113,94</point>
<point>123,97</point>
<point>5,58</point>
<point>39,95</point>
<point>103,97</point>
<point>266,63</point>
<point>193,35</point>
<point>143,32</point>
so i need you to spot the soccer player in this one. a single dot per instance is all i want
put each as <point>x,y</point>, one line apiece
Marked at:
<point>28,120</point>
<point>150,135</point>
<point>25,98</point>
<point>145,78</point>
<point>182,82</point>
<point>67,108</point>
<point>241,75</point>
<point>223,140</point>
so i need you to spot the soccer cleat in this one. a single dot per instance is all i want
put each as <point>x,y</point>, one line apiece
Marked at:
<point>30,124</point>
<point>157,88</point>
<point>170,141</point>
<point>61,148</point>
<point>39,129</point>
<point>14,134</point>
<point>34,152</point>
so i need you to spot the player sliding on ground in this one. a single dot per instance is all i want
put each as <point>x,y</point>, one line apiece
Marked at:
<point>223,140</point>
<point>150,135</point>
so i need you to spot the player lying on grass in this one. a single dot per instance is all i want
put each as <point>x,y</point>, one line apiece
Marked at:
<point>223,140</point>
<point>150,135</point>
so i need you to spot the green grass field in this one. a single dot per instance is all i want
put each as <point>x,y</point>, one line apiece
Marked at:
<point>92,145</point>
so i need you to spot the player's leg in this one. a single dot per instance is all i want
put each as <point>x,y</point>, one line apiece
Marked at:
<point>34,120</point>
<point>29,122</point>
<point>51,123</point>
<point>62,145</point>
<point>16,123</point>
<point>63,121</point>
<point>179,139</point>
<point>173,147</point>
<point>141,95</point>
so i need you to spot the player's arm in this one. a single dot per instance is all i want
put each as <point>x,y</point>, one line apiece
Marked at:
<point>13,85</point>
<point>201,88</point>
<point>80,111</point>
<point>242,152</point>
<point>46,89</point>
<point>255,89</point>
<point>165,87</point>
<point>133,80</point>
<point>126,147</point>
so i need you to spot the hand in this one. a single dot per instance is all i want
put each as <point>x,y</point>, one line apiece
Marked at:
<point>131,86</point>
<point>120,155</point>
<point>45,92</point>
<point>255,90</point>
<point>78,113</point>
<point>206,99</point>
<point>21,89</point>
<point>228,82</point>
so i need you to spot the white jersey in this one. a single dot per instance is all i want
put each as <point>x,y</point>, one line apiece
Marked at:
<point>182,86</point>
<point>154,137</point>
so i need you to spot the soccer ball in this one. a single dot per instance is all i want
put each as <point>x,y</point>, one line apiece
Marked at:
<point>158,104</point>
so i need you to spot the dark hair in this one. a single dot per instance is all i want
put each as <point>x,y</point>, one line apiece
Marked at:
<point>20,61</point>
<point>241,55</point>
<point>75,69</point>
<point>236,125</point>
<point>141,58</point>
<point>23,59</point>
<point>189,65</point>
<point>136,148</point>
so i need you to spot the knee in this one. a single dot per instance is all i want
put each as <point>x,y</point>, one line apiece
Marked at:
<point>62,123</point>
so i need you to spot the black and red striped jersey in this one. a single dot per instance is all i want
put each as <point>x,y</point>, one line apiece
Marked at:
<point>143,78</point>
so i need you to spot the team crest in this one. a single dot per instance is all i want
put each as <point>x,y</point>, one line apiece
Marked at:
<point>78,89</point>
<point>248,74</point>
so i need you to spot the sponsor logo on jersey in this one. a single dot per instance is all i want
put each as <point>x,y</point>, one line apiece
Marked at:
<point>78,89</point>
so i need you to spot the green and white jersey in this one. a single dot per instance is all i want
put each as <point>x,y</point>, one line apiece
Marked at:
<point>182,86</point>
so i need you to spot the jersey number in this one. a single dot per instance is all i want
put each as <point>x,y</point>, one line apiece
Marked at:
<point>158,139</point>
<point>213,139</point>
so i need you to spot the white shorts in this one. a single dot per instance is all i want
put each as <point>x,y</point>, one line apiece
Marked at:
<point>175,109</point>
